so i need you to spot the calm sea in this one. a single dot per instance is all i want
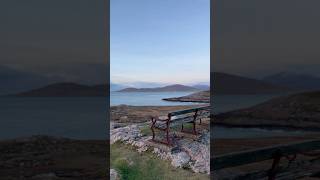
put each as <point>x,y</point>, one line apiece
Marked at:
<point>85,118</point>
<point>146,98</point>
<point>81,118</point>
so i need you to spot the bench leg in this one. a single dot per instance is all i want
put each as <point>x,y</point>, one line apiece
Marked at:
<point>168,139</point>
<point>153,122</point>
<point>153,133</point>
<point>194,128</point>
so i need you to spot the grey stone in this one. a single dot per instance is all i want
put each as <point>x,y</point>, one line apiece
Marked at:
<point>180,159</point>
<point>114,175</point>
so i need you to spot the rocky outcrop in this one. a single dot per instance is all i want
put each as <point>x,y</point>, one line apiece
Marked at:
<point>201,97</point>
<point>187,153</point>
<point>200,156</point>
<point>298,111</point>
<point>180,159</point>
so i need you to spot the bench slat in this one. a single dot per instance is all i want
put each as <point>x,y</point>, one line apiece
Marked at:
<point>175,113</point>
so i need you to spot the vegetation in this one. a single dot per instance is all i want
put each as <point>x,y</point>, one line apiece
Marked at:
<point>134,166</point>
<point>145,130</point>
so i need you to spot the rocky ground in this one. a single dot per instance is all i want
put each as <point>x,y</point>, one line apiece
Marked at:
<point>44,157</point>
<point>186,152</point>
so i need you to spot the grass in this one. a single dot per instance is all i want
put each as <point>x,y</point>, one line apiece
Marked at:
<point>134,166</point>
<point>145,130</point>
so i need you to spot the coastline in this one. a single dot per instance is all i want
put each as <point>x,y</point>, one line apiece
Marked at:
<point>197,97</point>
<point>127,114</point>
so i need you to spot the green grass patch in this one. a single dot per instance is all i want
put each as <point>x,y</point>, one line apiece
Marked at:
<point>145,130</point>
<point>134,166</point>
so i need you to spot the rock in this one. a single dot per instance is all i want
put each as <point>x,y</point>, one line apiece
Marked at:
<point>161,154</point>
<point>180,159</point>
<point>187,153</point>
<point>142,144</point>
<point>175,150</point>
<point>127,133</point>
<point>114,175</point>
<point>205,138</point>
<point>200,156</point>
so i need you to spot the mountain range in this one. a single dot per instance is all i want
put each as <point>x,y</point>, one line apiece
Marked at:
<point>14,81</point>
<point>224,83</point>
<point>170,88</point>
<point>31,84</point>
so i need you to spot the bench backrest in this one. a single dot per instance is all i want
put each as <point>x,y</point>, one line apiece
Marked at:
<point>187,112</point>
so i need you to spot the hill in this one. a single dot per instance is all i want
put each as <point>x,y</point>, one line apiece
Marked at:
<point>202,87</point>
<point>171,88</point>
<point>65,90</point>
<point>301,111</point>
<point>294,80</point>
<point>15,81</point>
<point>224,83</point>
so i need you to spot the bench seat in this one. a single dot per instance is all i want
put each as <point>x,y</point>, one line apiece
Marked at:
<point>164,123</point>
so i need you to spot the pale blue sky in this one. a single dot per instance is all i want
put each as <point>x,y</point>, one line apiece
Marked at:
<point>164,41</point>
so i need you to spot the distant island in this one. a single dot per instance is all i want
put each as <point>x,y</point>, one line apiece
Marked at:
<point>297,111</point>
<point>65,90</point>
<point>224,83</point>
<point>171,88</point>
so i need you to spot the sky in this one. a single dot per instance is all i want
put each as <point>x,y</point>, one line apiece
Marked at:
<point>62,38</point>
<point>163,41</point>
<point>259,38</point>
<point>159,40</point>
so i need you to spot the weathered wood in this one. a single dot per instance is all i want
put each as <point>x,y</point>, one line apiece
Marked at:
<point>186,111</point>
<point>261,154</point>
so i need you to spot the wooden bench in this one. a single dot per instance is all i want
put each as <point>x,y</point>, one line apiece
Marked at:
<point>178,117</point>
